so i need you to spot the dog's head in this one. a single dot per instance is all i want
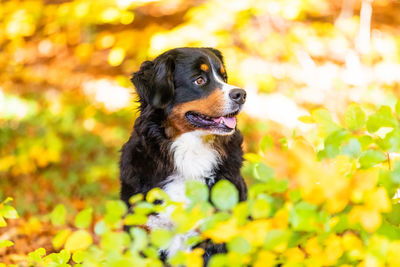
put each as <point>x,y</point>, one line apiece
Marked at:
<point>190,85</point>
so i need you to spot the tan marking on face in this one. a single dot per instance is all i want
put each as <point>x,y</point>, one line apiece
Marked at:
<point>204,67</point>
<point>222,69</point>
<point>212,106</point>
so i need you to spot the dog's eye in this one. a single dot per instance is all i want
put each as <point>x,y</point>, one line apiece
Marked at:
<point>200,81</point>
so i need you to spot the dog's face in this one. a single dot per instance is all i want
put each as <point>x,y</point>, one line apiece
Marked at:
<point>190,84</point>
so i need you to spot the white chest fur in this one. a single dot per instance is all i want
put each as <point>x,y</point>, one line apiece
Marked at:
<point>194,158</point>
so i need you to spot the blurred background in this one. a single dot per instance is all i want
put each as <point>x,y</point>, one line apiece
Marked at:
<point>67,105</point>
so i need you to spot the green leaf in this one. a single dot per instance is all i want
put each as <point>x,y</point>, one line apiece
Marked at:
<point>78,256</point>
<point>277,186</point>
<point>393,216</point>
<point>266,143</point>
<point>214,219</point>
<point>60,238</point>
<point>241,212</point>
<point>79,240</point>
<point>304,217</point>
<point>135,219</point>
<point>391,142</point>
<point>8,212</point>
<point>115,241</point>
<point>144,208</point>
<point>160,237</point>
<point>295,195</point>
<point>37,254</point>
<point>101,227</point>
<point>239,244</point>
<point>262,172</point>
<point>115,209</point>
<point>136,198</point>
<point>261,208</point>
<point>84,218</point>
<point>353,148</point>
<point>57,216</point>
<point>224,195</point>
<point>370,158</point>
<point>5,243</point>
<point>196,191</point>
<point>324,120</point>
<point>179,259</point>
<point>151,252</point>
<point>382,118</point>
<point>61,258</point>
<point>387,181</point>
<point>388,230</point>
<point>157,194</point>
<point>275,238</point>
<point>7,200</point>
<point>355,117</point>
<point>395,173</point>
<point>365,141</point>
<point>397,108</point>
<point>219,260</point>
<point>252,157</point>
<point>140,239</point>
<point>333,142</point>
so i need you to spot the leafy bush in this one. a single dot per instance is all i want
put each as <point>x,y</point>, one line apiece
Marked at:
<point>339,207</point>
<point>6,212</point>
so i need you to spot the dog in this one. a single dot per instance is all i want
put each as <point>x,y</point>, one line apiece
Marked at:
<point>186,130</point>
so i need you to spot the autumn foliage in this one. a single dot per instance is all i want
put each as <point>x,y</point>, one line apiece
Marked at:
<point>321,129</point>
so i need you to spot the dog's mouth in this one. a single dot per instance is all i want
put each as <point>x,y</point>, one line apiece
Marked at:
<point>225,123</point>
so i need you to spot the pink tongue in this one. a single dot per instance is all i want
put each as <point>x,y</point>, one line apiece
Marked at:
<point>230,122</point>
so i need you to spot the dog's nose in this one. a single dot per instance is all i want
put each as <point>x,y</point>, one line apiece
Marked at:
<point>238,95</point>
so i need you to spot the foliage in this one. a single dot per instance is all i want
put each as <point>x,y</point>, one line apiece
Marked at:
<point>6,212</point>
<point>338,208</point>
<point>324,183</point>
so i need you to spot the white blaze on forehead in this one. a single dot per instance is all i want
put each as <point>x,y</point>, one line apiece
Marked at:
<point>226,88</point>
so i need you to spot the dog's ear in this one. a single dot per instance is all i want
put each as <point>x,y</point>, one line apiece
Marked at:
<point>154,81</point>
<point>217,53</point>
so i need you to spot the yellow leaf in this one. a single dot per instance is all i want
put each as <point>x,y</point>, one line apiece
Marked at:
<point>222,232</point>
<point>352,244</point>
<point>3,222</point>
<point>256,231</point>
<point>294,255</point>
<point>306,119</point>
<point>313,247</point>
<point>60,238</point>
<point>370,220</point>
<point>195,258</point>
<point>333,249</point>
<point>79,240</point>
<point>363,180</point>
<point>116,56</point>
<point>264,259</point>
<point>393,256</point>
<point>252,157</point>
<point>378,200</point>
<point>280,219</point>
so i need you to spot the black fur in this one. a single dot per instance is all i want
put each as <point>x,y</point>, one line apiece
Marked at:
<point>146,159</point>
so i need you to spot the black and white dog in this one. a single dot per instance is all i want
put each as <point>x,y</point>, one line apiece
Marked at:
<point>186,129</point>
